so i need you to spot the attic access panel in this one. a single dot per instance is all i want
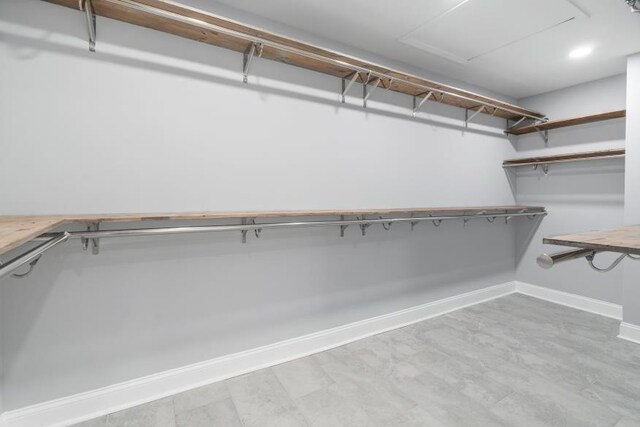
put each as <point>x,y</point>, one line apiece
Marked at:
<point>473,28</point>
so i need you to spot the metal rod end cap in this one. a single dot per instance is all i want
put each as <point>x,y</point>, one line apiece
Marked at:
<point>545,261</point>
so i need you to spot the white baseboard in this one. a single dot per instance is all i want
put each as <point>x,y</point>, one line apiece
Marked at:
<point>602,308</point>
<point>629,332</point>
<point>84,406</point>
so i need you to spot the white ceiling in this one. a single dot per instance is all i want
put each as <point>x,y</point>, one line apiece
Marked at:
<point>514,47</point>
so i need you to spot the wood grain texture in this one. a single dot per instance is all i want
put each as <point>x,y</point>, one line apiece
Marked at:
<point>17,230</point>
<point>294,213</point>
<point>121,12</point>
<point>623,240</point>
<point>574,121</point>
<point>600,154</point>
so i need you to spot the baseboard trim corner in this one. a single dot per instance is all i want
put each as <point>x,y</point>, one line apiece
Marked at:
<point>629,332</point>
<point>99,402</point>
<point>579,302</point>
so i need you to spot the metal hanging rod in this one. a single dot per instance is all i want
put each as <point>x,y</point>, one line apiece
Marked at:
<point>33,255</point>
<point>252,226</point>
<point>547,261</point>
<point>93,233</point>
<point>545,161</point>
<point>311,55</point>
<point>548,162</point>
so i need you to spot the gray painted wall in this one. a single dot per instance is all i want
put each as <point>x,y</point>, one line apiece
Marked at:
<point>156,123</point>
<point>631,269</point>
<point>579,196</point>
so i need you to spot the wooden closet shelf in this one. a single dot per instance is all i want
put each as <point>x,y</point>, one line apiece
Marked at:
<point>623,240</point>
<point>563,158</point>
<point>184,21</point>
<point>555,124</point>
<point>18,230</point>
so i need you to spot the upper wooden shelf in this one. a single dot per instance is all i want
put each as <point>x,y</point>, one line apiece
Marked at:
<point>184,21</point>
<point>563,158</point>
<point>555,124</point>
<point>623,240</point>
<point>17,230</point>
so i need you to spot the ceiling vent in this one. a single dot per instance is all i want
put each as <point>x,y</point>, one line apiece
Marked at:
<point>473,28</point>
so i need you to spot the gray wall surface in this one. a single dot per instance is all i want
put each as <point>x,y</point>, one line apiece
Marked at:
<point>631,268</point>
<point>580,196</point>
<point>152,122</point>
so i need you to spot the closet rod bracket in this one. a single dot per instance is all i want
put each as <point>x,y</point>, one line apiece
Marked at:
<point>417,105</point>
<point>87,7</point>
<point>346,86</point>
<point>342,227</point>
<point>545,168</point>
<point>544,134</point>
<point>366,93</point>
<point>247,58</point>
<point>95,242</point>
<point>468,118</point>
<point>363,226</point>
<point>247,221</point>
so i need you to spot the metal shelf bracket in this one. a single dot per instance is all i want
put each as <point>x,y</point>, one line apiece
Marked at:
<point>515,125</point>
<point>247,57</point>
<point>346,86</point>
<point>417,105</point>
<point>366,93</point>
<point>342,226</point>
<point>544,134</point>
<point>363,226</point>
<point>468,118</point>
<point>95,242</point>
<point>87,7</point>
<point>545,168</point>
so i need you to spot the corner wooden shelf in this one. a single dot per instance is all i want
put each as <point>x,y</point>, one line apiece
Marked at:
<point>565,158</point>
<point>555,124</point>
<point>623,240</point>
<point>185,21</point>
<point>18,230</point>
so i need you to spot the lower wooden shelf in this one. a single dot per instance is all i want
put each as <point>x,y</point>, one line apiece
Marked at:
<point>622,240</point>
<point>18,230</point>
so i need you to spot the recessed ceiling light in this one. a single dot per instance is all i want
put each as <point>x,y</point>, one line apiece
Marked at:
<point>580,52</point>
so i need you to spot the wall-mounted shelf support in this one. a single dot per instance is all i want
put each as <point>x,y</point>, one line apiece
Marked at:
<point>545,167</point>
<point>247,57</point>
<point>544,134</point>
<point>95,243</point>
<point>343,228</point>
<point>185,21</point>
<point>417,105</point>
<point>87,7</point>
<point>366,93</point>
<point>515,125</point>
<point>346,87</point>
<point>468,118</point>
